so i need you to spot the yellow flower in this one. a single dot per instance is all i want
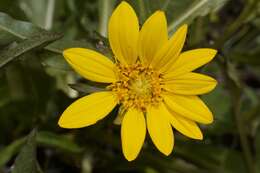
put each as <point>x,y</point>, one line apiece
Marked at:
<point>151,80</point>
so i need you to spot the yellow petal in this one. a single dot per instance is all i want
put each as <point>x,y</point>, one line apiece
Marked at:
<point>185,126</point>
<point>91,65</point>
<point>133,132</point>
<point>170,51</point>
<point>191,107</point>
<point>123,31</point>
<point>160,129</point>
<point>189,61</point>
<point>88,110</point>
<point>190,84</point>
<point>153,36</point>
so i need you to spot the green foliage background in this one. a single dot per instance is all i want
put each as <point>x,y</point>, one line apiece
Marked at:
<point>36,85</point>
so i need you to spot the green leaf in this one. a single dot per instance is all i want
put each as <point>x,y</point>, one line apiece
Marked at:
<point>43,138</point>
<point>195,9</point>
<point>57,141</point>
<point>25,30</point>
<point>60,45</point>
<point>31,43</point>
<point>7,153</point>
<point>26,160</point>
<point>17,28</point>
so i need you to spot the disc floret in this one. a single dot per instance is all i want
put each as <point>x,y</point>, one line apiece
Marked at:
<point>138,86</point>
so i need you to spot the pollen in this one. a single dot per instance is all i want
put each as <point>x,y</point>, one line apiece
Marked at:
<point>138,86</point>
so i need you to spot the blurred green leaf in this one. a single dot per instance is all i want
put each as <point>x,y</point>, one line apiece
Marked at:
<point>234,162</point>
<point>246,58</point>
<point>150,170</point>
<point>56,62</point>
<point>43,138</point>
<point>33,42</point>
<point>201,154</point>
<point>7,153</point>
<point>26,160</point>
<point>57,141</point>
<point>223,122</point>
<point>196,8</point>
<point>40,12</point>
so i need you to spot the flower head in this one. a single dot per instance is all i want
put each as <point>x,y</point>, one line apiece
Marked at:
<point>151,80</point>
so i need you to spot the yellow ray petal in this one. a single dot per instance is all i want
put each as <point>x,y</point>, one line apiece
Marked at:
<point>88,110</point>
<point>160,129</point>
<point>185,126</point>
<point>170,51</point>
<point>191,107</point>
<point>189,61</point>
<point>133,132</point>
<point>123,31</point>
<point>91,65</point>
<point>190,84</point>
<point>153,36</point>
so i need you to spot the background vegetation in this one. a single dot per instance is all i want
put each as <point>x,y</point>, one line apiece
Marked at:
<point>36,85</point>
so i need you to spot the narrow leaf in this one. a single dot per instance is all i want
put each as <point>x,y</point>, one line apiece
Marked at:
<point>17,28</point>
<point>7,153</point>
<point>60,142</point>
<point>26,160</point>
<point>33,42</point>
<point>24,30</point>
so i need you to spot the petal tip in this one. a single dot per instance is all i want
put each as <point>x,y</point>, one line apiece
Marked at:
<point>66,52</point>
<point>61,123</point>
<point>160,12</point>
<point>166,150</point>
<point>129,158</point>
<point>215,83</point>
<point>184,27</point>
<point>199,136</point>
<point>213,52</point>
<point>209,121</point>
<point>167,153</point>
<point>124,3</point>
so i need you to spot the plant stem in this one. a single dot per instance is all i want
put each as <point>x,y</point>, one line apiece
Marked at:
<point>105,10</point>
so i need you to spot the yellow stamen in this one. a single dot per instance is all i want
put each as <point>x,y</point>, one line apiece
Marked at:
<point>138,86</point>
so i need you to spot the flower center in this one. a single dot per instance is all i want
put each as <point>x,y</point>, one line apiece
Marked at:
<point>137,87</point>
<point>141,86</point>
